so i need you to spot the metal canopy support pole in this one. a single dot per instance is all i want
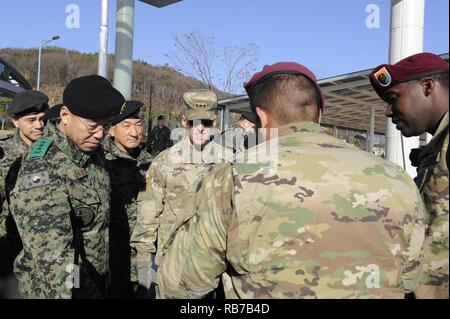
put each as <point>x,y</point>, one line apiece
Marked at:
<point>226,117</point>
<point>406,38</point>
<point>221,114</point>
<point>103,51</point>
<point>123,70</point>
<point>38,85</point>
<point>335,131</point>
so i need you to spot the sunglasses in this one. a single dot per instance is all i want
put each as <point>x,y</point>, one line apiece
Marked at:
<point>205,123</point>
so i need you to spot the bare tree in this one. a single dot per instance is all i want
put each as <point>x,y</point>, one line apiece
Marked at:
<point>239,62</point>
<point>221,67</point>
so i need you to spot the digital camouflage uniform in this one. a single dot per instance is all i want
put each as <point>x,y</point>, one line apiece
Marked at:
<point>127,172</point>
<point>13,148</point>
<point>170,193</point>
<point>10,244</point>
<point>434,187</point>
<point>330,221</point>
<point>57,181</point>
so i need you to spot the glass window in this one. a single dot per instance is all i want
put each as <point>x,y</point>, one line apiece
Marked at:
<point>3,72</point>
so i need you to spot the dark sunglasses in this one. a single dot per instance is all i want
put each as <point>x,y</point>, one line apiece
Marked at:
<point>205,123</point>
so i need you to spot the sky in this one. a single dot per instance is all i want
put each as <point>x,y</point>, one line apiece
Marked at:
<point>328,36</point>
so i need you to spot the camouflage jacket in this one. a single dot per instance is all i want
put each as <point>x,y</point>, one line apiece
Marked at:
<point>127,173</point>
<point>434,187</point>
<point>10,245</point>
<point>159,140</point>
<point>235,138</point>
<point>170,193</point>
<point>326,221</point>
<point>55,179</point>
<point>13,147</point>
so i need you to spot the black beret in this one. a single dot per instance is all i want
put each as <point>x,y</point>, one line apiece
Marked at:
<point>92,97</point>
<point>27,102</point>
<point>386,76</point>
<point>52,113</point>
<point>131,109</point>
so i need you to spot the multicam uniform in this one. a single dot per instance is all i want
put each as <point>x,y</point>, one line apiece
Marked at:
<point>330,221</point>
<point>170,194</point>
<point>433,184</point>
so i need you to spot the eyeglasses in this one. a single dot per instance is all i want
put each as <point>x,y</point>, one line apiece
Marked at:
<point>94,127</point>
<point>205,123</point>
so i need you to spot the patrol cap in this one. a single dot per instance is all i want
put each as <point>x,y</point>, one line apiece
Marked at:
<point>386,76</point>
<point>130,110</point>
<point>199,104</point>
<point>28,102</point>
<point>52,113</point>
<point>291,68</point>
<point>92,97</point>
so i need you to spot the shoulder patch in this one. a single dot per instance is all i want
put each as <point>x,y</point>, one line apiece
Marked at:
<point>40,148</point>
<point>36,180</point>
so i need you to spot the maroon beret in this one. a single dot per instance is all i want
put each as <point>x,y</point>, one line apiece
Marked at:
<point>385,76</point>
<point>285,68</point>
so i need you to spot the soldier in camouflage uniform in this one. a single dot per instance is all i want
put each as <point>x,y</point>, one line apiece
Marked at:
<point>61,199</point>
<point>26,110</point>
<point>416,90</point>
<point>242,135</point>
<point>127,163</point>
<point>159,139</point>
<point>324,220</point>
<point>172,181</point>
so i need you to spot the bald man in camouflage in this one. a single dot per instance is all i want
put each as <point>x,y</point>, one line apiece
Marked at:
<point>324,220</point>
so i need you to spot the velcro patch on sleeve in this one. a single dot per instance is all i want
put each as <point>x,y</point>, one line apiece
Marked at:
<point>36,180</point>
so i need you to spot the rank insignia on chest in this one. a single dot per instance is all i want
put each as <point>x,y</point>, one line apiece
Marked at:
<point>41,147</point>
<point>36,180</point>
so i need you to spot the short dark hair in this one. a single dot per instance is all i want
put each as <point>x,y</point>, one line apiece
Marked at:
<point>288,98</point>
<point>161,118</point>
<point>441,77</point>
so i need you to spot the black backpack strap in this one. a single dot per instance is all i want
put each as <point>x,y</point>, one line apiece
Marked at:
<point>426,158</point>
